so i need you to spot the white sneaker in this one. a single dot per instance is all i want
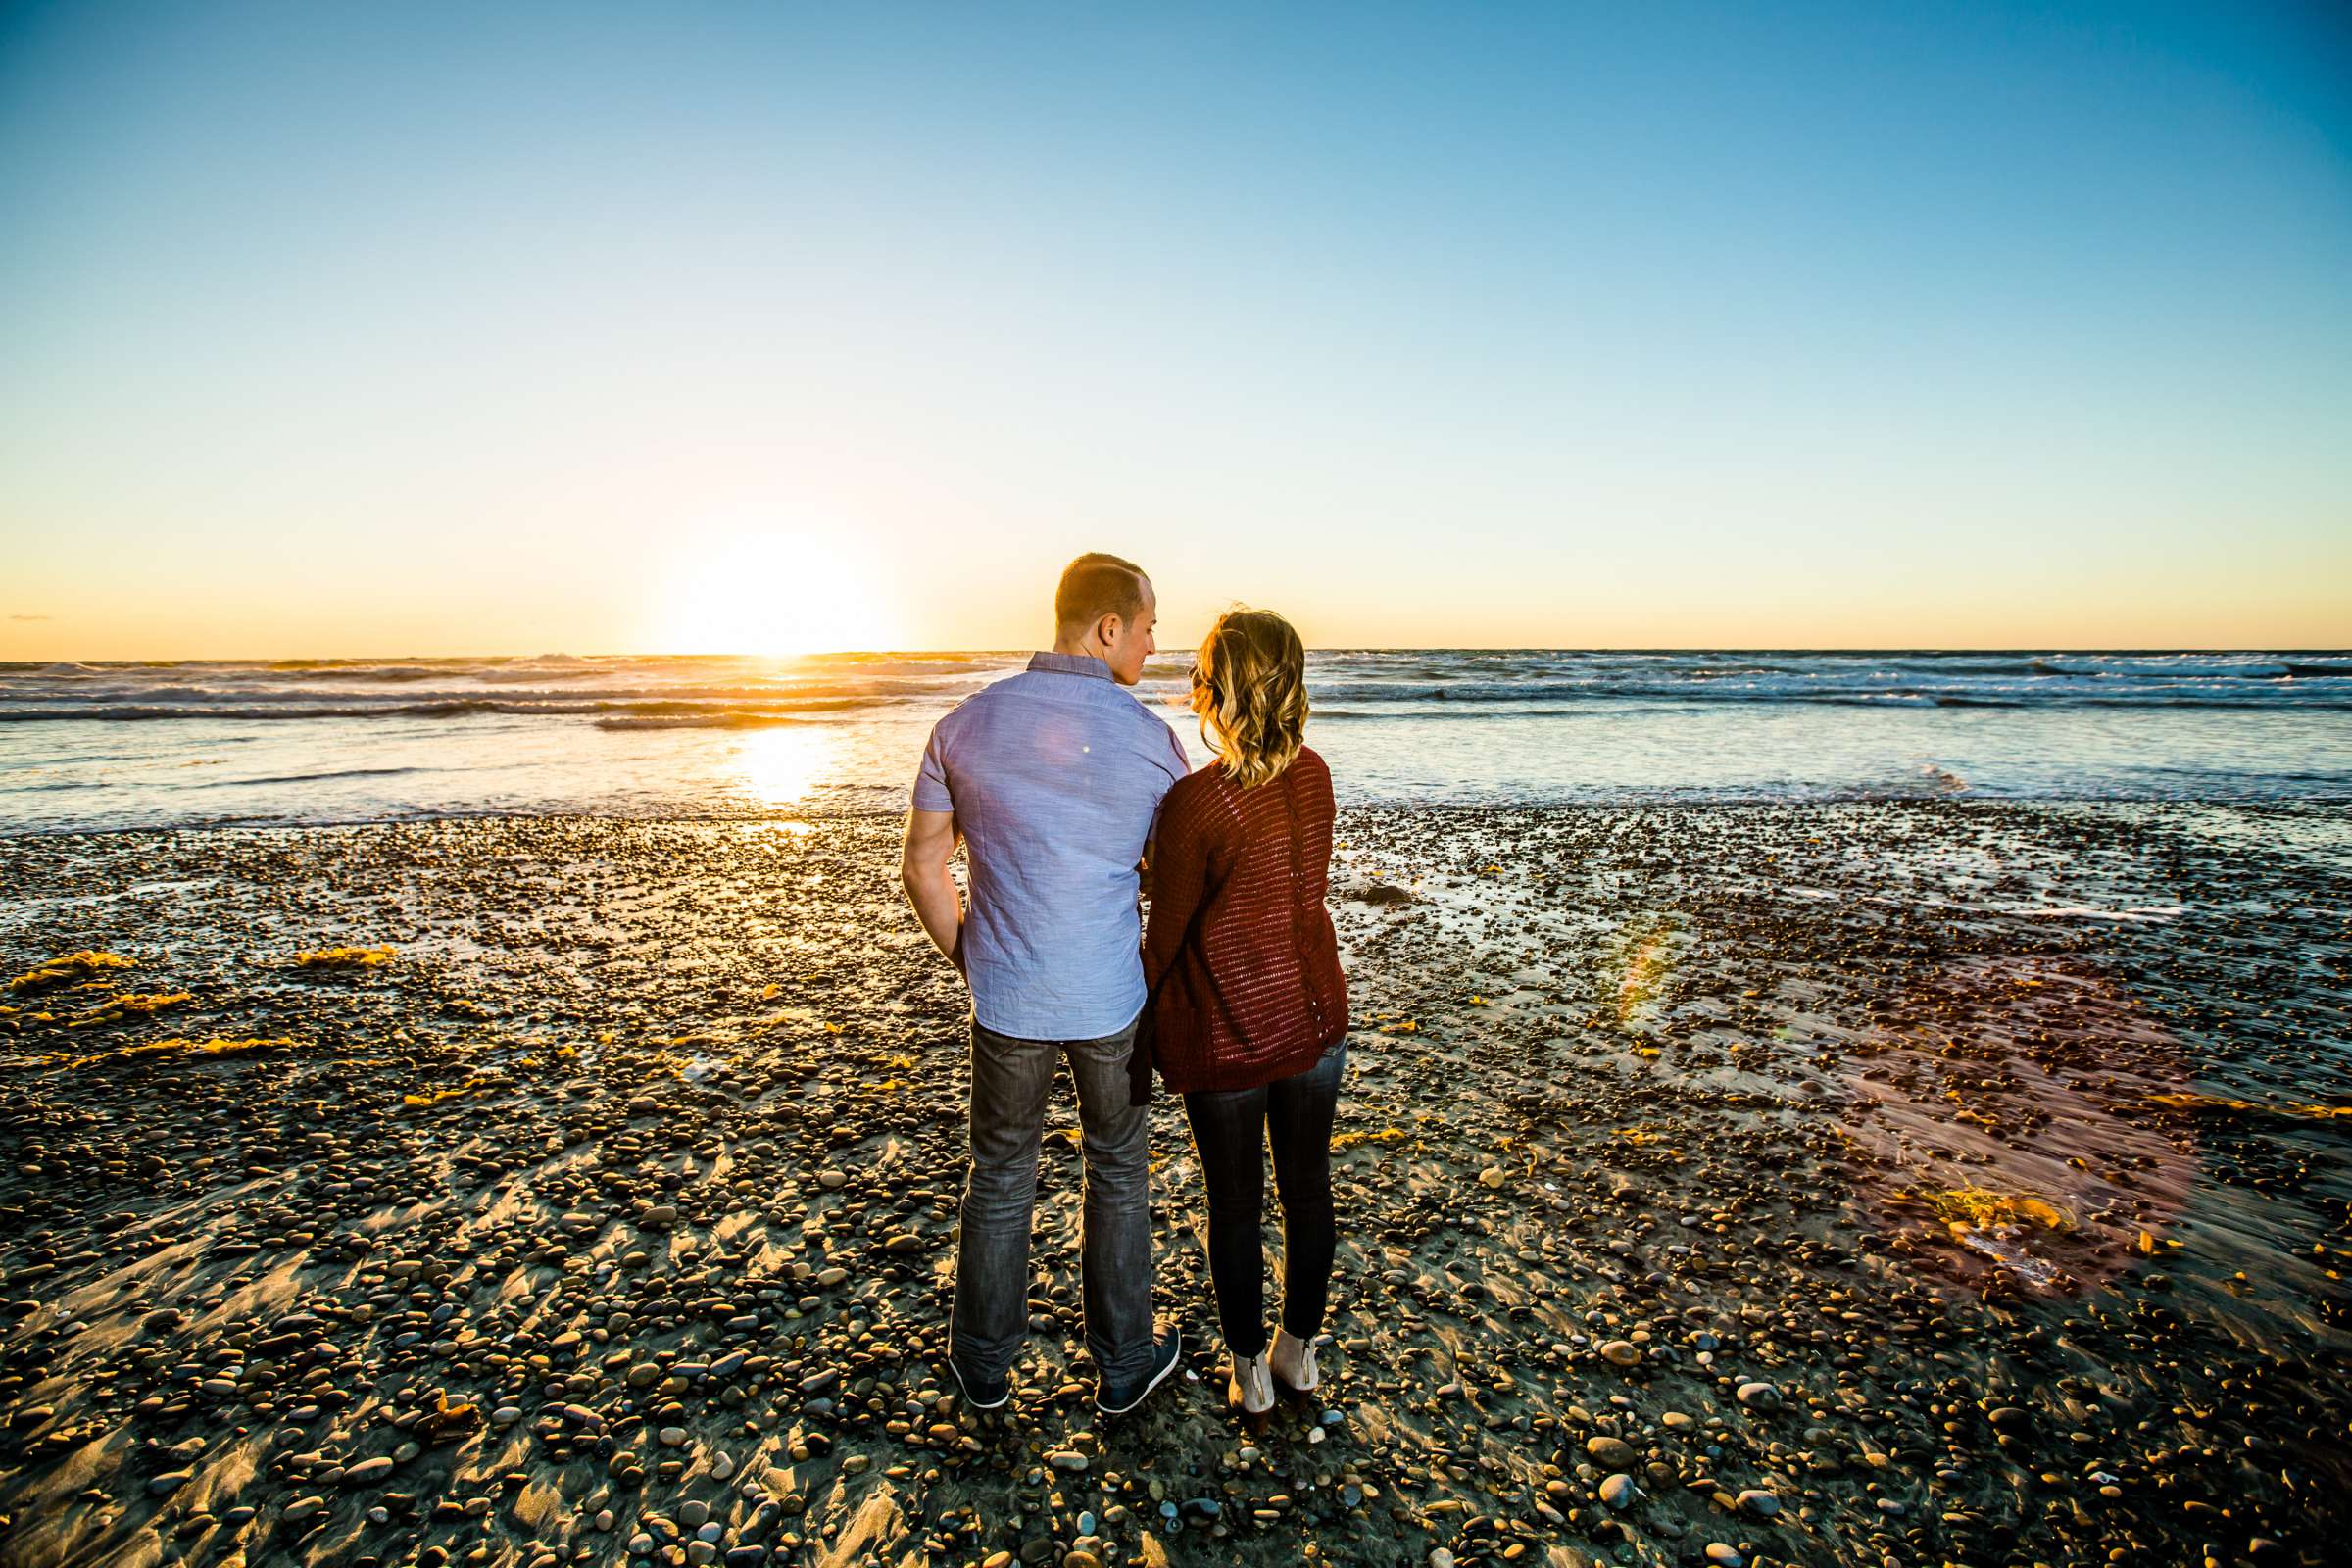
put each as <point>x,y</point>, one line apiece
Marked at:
<point>1293,1361</point>
<point>1251,1386</point>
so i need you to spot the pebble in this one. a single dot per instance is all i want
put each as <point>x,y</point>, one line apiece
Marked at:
<point>731,1251</point>
<point>169,1482</point>
<point>1611,1453</point>
<point>367,1470</point>
<point>1721,1555</point>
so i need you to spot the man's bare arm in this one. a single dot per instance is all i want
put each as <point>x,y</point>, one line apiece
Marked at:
<point>931,840</point>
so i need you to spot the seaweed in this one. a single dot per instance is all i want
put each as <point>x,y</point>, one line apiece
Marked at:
<point>346,958</point>
<point>70,966</point>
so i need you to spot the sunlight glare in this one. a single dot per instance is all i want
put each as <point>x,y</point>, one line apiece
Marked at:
<point>777,767</point>
<point>770,592</point>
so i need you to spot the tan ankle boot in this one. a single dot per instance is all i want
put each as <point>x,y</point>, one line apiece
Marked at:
<point>1250,1386</point>
<point>1293,1361</point>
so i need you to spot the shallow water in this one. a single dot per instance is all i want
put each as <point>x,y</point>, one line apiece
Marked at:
<point>109,747</point>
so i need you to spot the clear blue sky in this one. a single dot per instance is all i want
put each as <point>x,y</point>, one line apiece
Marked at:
<point>419,328</point>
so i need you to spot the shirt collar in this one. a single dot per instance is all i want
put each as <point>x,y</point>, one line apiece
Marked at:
<point>1071,664</point>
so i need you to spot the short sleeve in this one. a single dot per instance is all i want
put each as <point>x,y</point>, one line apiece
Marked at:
<point>931,779</point>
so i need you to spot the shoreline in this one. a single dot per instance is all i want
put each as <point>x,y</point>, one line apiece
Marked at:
<point>2327,808</point>
<point>649,1129</point>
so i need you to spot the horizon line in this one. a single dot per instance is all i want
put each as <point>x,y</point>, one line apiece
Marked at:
<point>1333,648</point>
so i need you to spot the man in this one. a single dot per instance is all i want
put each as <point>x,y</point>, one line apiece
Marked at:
<point>1051,779</point>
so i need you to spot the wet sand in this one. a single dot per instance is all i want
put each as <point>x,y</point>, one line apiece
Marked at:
<point>1888,1184</point>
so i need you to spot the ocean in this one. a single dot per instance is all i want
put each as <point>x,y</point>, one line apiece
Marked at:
<point>99,747</point>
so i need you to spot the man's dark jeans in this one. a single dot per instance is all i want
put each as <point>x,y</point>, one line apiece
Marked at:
<point>1010,1079</point>
<point>1231,1129</point>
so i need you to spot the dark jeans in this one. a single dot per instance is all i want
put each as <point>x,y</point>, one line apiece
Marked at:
<point>1231,1129</point>
<point>1010,1079</point>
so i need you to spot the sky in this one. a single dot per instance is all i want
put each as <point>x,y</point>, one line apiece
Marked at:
<point>481,329</point>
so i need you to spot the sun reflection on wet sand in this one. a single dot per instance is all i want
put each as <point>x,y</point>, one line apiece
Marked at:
<point>780,765</point>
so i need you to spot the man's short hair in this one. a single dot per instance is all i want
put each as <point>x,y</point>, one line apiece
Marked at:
<point>1096,585</point>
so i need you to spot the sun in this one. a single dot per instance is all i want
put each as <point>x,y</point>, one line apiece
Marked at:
<point>776,592</point>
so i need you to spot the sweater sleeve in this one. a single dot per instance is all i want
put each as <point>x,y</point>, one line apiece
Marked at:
<point>1179,879</point>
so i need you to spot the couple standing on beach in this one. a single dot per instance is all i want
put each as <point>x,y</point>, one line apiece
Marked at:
<point>1067,793</point>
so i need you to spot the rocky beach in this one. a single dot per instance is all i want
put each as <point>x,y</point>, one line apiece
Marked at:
<point>1902,1183</point>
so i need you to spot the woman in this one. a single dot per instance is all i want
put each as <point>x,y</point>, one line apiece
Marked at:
<point>1252,1023</point>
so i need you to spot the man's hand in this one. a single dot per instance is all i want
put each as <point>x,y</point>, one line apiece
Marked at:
<point>931,840</point>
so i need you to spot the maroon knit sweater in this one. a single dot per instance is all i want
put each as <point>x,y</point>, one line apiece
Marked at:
<point>1256,993</point>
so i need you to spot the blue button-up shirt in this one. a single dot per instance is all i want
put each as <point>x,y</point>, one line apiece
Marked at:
<point>1055,777</point>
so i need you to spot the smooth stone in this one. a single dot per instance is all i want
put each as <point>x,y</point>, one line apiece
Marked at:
<point>1756,1500</point>
<point>671,1437</point>
<point>1614,1454</point>
<point>1721,1555</point>
<point>1759,1397</point>
<point>367,1470</point>
<point>1065,1459</point>
<point>169,1482</point>
<point>304,1507</point>
<point>1620,1352</point>
<point>1618,1491</point>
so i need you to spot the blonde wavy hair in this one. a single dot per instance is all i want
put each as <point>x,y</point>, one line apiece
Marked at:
<point>1250,689</point>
